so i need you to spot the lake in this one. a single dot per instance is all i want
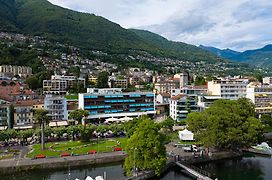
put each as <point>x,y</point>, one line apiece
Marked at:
<point>246,168</point>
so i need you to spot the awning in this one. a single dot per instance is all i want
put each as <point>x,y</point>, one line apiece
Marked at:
<point>23,127</point>
<point>112,119</point>
<point>58,123</point>
<point>125,119</point>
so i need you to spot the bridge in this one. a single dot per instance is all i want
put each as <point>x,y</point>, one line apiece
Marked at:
<point>192,170</point>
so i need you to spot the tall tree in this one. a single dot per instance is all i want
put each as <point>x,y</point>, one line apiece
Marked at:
<point>145,149</point>
<point>226,124</point>
<point>78,114</point>
<point>102,80</point>
<point>40,116</point>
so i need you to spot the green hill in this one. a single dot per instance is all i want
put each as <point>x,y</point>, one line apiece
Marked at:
<point>88,31</point>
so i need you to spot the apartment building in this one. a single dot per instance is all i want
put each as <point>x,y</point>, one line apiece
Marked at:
<point>10,71</point>
<point>181,105</point>
<point>261,96</point>
<point>56,107</point>
<point>190,90</point>
<point>59,85</point>
<point>112,102</point>
<point>205,102</point>
<point>228,88</point>
<point>118,83</point>
<point>267,80</point>
<point>23,116</point>
<point>4,114</point>
<point>166,86</point>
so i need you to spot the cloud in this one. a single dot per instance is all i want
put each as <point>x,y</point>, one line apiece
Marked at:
<point>239,24</point>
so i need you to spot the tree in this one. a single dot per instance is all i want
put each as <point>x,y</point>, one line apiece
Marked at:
<point>200,80</point>
<point>266,119</point>
<point>40,116</point>
<point>226,124</point>
<point>78,114</point>
<point>102,80</point>
<point>32,82</point>
<point>145,148</point>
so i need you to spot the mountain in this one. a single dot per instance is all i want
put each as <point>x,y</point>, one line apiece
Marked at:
<point>225,53</point>
<point>258,57</point>
<point>88,31</point>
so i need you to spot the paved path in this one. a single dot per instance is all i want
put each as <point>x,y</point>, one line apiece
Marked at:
<point>16,162</point>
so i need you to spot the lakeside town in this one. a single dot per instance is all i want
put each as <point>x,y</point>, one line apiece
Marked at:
<point>101,114</point>
<point>135,90</point>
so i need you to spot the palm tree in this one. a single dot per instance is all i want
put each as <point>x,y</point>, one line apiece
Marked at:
<point>40,116</point>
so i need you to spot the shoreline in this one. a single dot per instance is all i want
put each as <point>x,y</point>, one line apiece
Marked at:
<point>11,166</point>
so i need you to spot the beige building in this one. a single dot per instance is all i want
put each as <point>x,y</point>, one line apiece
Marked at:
<point>228,88</point>
<point>23,117</point>
<point>10,71</point>
<point>261,96</point>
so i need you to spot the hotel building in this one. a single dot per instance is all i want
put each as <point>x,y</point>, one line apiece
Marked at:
<point>112,102</point>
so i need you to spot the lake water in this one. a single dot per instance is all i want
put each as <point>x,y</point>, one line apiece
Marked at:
<point>246,168</point>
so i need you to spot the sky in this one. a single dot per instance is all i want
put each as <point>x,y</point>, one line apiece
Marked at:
<point>236,24</point>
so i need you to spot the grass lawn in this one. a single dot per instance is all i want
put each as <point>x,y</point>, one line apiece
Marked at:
<point>77,147</point>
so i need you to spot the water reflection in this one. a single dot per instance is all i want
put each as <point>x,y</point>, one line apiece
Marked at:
<point>246,168</point>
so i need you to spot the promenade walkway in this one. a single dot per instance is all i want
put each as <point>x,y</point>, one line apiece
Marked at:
<point>25,163</point>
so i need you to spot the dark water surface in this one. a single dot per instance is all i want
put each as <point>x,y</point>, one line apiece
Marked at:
<point>246,168</point>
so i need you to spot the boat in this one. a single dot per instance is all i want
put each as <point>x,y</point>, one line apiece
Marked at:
<point>262,148</point>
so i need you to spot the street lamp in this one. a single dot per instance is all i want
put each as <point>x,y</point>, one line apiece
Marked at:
<point>134,167</point>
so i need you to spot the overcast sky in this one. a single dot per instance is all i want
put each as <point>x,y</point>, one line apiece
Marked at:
<point>235,24</point>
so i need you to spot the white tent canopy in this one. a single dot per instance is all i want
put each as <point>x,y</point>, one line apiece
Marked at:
<point>89,178</point>
<point>186,135</point>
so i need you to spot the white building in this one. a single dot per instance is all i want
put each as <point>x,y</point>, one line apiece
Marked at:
<point>205,102</point>
<point>261,96</point>
<point>59,85</point>
<point>56,107</point>
<point>113,103</point>
<point>267,80</point>
<point>163,98</point>
<point>190,90</point>
<point>228,88</point>
<point>181,105</point>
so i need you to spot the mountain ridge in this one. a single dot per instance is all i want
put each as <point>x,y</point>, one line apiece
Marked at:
<point>258,57</point>
<point>88,31</point>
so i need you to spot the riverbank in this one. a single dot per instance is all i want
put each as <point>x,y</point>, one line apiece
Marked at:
<point>11,166</point>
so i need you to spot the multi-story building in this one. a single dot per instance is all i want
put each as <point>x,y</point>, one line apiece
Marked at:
<point>205,102</point>
<point>118,83</point>
<point>112,102</point>
<point>267,80</point>
<point>11,71</point>
<point>4,114</point>
<point>228,88</point>
<point>181,105</point>
<point>166,86</point>
<point>23,116</point>
<point>190,90</point>
<point>163,98</point>
<point>261,96</point>
<point>59,85</point>
<point>56,107</point>
<point>184,78</point>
